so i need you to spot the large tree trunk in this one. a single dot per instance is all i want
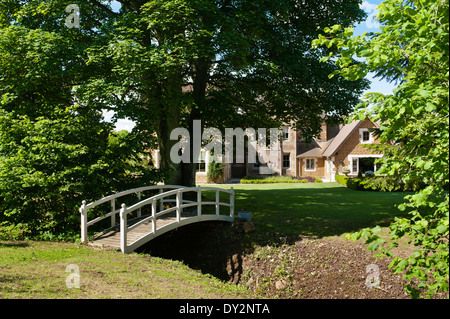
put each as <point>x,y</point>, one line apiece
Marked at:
<point>184,173</point>
<point>198,95</point>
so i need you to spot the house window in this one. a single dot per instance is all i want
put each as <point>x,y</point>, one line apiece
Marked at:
<point>355,166</point>
<point>286,161</point>
<point>310,164</point>
<point>365,136</point>
<point>201,166</point>
<point>285,133</point>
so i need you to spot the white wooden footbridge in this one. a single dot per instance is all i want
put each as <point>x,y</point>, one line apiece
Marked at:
<point>167,210</point>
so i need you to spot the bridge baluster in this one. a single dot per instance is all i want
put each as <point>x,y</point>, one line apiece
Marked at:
<point>179,200</point>
<point>199,201</point>
<point>161,201</point>
<point>154,216</point>
<point>123,228</point>
<point>217,203</point>
<point>83,212</point>
<point>113,215</point>
<point>139,210</point>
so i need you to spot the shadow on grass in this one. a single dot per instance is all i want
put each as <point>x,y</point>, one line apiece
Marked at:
<point>281,214</point>
<point>15,244</point>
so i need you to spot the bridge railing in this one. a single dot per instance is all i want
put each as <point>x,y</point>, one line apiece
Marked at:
<point>180,204</point>
<point>84,209</point>
<point>167,194</point>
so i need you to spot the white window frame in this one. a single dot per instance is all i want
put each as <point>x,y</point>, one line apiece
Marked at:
<point>361,136</point>
<point>357,157</point>
<point>306,164</point>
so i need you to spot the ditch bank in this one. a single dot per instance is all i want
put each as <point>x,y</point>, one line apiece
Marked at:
<point>274,265</point>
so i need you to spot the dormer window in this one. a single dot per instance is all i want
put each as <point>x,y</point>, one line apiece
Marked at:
<point>365,136</point>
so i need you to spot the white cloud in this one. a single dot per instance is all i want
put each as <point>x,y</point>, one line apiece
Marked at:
<point>367,6</point>
<point>380,86</point>
<point>125,124</point>
<point>370,9</point>
<point>121,124</point>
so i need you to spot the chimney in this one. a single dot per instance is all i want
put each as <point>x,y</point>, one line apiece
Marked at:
<point>323,133</point>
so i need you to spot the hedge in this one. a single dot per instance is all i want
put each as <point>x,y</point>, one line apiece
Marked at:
<point>384,184</point>
<point>271,181</point>
<point>278,179</point>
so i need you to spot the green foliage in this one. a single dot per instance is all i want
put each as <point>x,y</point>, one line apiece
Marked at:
<point>412,49</point>
<point>54,152</point>
<point>13,232</point>
<point>341,179</point>
<point>355,184</point>
<point>369,174</point>
<point>380,184</point>
<point>215,172</point>
<point>176,61</point>
<point>271,180</point>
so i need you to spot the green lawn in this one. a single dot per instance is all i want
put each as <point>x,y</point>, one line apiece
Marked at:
<point>315,209</point>
<point>38,270</point>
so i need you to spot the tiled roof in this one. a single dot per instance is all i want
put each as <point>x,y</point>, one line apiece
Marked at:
<point>342,136</point>
<point>313,149</point>
<point>329,148</point>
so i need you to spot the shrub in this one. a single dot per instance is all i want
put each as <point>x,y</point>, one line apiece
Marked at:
<point>369,174</point>
<point>318,180</point>
<point>271,180</point>
<point>341,179</point>
<point>13,232</point>
<point>215,172</point>
<point>48,166</point>
<point>309,179</point>
<point>384,184</point>
<point>355,184</point>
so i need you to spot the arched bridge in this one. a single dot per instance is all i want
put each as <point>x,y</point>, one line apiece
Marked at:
<point>171,207</point>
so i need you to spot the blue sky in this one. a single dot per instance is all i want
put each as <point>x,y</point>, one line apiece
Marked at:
<point>369,6</point>
<point>370,25</point>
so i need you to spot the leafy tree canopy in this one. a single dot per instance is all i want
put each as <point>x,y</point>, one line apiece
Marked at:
<point>413,49</point>
<point>55,150</point>
<point>228,63</point>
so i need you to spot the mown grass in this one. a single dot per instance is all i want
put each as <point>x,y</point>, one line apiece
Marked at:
<point>316,209</point>
<point>38,270</point>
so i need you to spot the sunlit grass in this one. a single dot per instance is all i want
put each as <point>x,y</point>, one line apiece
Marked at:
<point>315,209</point>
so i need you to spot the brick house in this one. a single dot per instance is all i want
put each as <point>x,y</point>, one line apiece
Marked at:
<point>337,147</point>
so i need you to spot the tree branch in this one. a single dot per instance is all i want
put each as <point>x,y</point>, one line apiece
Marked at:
<point>104,8</point>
